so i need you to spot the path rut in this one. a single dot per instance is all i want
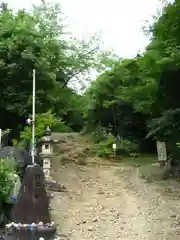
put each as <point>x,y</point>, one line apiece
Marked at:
<point>112,202</point>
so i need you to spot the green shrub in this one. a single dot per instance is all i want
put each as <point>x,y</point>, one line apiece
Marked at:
<point>104,141</point>
<point>104,148</point>
<point>61,127</point>
<point>124,148</point>
<point>100,134</point>
<point>6,185</point>
<point>42,121</point>
<point>14,142</point>
<point>127,148</point>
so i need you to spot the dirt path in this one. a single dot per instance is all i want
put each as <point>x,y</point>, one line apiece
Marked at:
<point>112,202</point>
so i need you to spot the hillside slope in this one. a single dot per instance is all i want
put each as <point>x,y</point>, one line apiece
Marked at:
<point>74,147</point>
<point>106,201</point>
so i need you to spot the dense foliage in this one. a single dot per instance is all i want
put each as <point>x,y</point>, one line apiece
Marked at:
<point>36,40</point>
<point>6,183</point>
<point>140,97</point>
<point>134,101</point>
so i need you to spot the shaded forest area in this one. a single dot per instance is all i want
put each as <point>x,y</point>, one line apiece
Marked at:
<point>135,101</point>
<point>139,98</point>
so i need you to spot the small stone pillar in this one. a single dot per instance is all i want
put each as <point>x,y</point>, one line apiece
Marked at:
<point>46,152</point>
<point>162,152</point>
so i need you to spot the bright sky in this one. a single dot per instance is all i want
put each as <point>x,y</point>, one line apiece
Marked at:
<point>120,21</point>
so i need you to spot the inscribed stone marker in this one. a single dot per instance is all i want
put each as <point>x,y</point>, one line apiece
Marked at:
<point>161,150</point>
<point>32,203</point>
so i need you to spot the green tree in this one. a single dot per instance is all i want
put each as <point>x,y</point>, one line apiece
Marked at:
<point>36,40</point>
<point>141,95</point>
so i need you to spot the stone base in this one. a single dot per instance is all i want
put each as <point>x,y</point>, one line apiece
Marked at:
<point>52,185</point>
<point>32,203</point>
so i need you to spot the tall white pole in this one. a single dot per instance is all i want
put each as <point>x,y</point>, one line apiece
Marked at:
<point>33,116</point>
<point>0,137</point>
<point>162,7</point>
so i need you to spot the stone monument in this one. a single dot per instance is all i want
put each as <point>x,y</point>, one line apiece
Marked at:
<point>31,214</point>
<point>162,153</point>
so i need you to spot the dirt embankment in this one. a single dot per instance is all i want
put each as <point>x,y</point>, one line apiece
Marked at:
<point>112,202</point>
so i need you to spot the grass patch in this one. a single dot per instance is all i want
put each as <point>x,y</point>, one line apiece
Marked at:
<point>141,160</point>
<point>151,173</point>
<point>147,167</point>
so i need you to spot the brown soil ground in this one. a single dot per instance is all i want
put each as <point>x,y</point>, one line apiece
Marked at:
<point>110,201</point>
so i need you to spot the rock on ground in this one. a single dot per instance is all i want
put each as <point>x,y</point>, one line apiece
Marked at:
<point>106,201</point>
<point>111,202</point>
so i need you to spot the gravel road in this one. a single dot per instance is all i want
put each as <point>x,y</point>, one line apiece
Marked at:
<point>112,202</point>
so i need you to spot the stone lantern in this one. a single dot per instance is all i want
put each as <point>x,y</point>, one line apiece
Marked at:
<point>45,149</point>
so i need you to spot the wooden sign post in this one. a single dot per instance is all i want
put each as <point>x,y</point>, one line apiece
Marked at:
<point>114,148</point>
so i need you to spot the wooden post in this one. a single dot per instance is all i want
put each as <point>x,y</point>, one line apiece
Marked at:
<point>114,149</point>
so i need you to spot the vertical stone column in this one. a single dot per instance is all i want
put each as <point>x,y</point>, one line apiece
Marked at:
<point>46,152</point>
<point>47,167</point>
<point>162,152</point>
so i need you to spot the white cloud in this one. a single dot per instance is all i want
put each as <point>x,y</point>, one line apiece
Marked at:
<point>119,21</point>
